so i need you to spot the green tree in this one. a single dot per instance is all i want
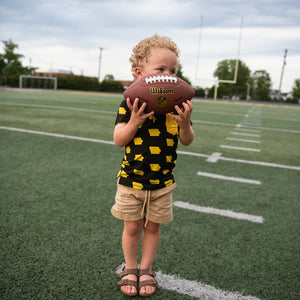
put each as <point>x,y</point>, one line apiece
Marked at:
<point>11,66</point>
<point>261,85</point>
<point>225,71</point>
<point>109,84</point>
<point>296,90</point>
<point>180,74</point>
<point>10,63</point>
<point>109,77</point>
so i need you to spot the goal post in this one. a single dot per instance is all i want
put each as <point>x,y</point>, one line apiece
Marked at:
<point>217,80</point>
<point>35,82</point>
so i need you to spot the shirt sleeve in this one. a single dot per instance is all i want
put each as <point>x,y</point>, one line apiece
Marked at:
<point>124,113</point>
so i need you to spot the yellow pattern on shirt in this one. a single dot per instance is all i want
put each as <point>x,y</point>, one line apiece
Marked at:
<point>154,132</point>
<point>154,150</point>
<point>170,142</point>
<point>169,182</point>
<point>122,111</point>
<point>155,167</point>
<point>137,185</point>
<point>138,172</point>
<point>138,141</point>
<point>169,158</point>
<point>156,181</point>
<point>171,126</point>
<point>139,157</point>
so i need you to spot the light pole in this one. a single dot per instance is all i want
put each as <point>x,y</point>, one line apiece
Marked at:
<point>100,57</point>
<point>282,70</point>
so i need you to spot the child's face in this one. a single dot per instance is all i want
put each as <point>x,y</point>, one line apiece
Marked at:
<point>161,60</point>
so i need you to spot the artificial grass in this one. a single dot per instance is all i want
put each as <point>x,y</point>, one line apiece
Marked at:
<point>59,240</point>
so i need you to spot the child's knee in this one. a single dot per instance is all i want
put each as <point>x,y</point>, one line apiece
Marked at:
<point>152,227</point>
<point>133,227</point>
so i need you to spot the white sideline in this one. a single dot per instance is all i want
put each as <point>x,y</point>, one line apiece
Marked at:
<point>61,107</point>
<point>220,212</point>
<point>259,163</point>
<point>58,135</point>
<point>192,288</point>
<point>194,121</point>
<point>236,179</point>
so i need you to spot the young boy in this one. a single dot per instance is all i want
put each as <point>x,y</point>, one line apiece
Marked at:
<point>145,181</point>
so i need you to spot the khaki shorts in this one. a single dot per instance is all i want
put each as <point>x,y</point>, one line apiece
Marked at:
<point>133,204</point>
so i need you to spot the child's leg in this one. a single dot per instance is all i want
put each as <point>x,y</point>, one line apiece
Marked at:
<point>150,244</point>
<point>130,244</point>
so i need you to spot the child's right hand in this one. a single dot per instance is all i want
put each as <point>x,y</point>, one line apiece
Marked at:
<point>137,114</point>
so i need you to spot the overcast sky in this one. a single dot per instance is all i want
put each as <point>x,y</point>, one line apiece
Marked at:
<point>67,34</point>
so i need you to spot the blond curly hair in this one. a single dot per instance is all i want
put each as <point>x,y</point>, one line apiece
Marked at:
<point>141,52</point>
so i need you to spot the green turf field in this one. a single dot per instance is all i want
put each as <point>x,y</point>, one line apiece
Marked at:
<point>59,241</point>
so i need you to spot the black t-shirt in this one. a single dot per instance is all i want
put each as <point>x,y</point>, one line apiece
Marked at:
<point>150,156</point>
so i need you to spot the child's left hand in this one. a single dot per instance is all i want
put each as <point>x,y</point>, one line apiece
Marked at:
<point>184,117</point>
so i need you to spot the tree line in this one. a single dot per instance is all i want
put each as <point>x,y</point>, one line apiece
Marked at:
<point>11,68</point>
<point>250,86</point>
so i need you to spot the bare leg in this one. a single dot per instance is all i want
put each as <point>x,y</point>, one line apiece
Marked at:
<point>150,242</point>
<point>130,244</point>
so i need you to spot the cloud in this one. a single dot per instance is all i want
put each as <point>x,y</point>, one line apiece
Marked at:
<point>66,34</point>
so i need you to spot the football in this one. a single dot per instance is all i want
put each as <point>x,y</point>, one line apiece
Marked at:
<point>160,92</point>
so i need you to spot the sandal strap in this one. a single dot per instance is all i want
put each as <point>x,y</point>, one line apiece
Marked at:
<point>126,272</point>
<point>126,281</point>
<point>149,272</point>
<point>151,282</point>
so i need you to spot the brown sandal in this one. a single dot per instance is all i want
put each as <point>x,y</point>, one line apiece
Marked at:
<point>126,281</point>
<point>151,282</point>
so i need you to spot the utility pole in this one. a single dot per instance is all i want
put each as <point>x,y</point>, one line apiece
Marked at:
<point>248,91</point>
<point>100,56</point>
<point>280,83</point>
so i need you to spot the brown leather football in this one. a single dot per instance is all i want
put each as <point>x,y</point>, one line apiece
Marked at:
<point>160,92</point>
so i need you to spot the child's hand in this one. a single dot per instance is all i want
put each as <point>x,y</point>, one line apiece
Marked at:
<point>137,114</point>
<point>183,120</point>
<point>184,117</point>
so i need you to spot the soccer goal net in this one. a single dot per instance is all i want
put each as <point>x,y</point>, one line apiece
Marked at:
<point>37,82</point>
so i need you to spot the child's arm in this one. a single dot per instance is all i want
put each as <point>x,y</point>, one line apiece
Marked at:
<point>124,133</point>
<point>186,133</point>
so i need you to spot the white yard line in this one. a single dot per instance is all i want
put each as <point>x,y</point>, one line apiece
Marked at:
<point>213,123</point>
<point>220,212</point>
<point>251,123</point>
<point>192,153</point>
<point>242,140</point>
<point>214,157</point>
<point>247,129</point>
<point>254,127</point>
<point>236,179</point>
<point>216,113</point>
<point>273,129</point>
<point>240,148</point>
<point>245,134</point>
<point>193,288</point>
<point>260,163</point>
